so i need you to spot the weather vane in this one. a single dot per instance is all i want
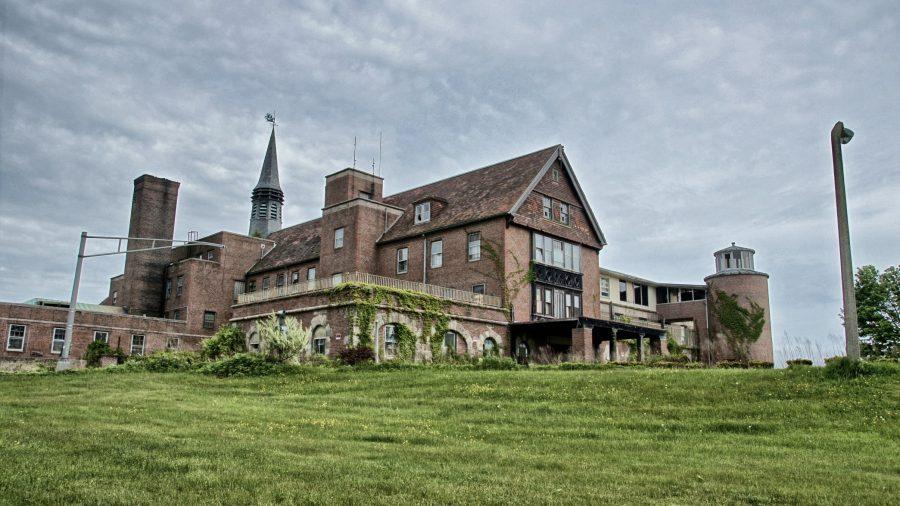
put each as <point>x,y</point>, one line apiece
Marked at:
<point>270,117</point>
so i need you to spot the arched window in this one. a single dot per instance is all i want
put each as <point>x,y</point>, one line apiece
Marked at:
<point>490,347</point>
<point>253,343</point>
<point>450,340</point>
<point>320,340</point>
<point>390,341</point>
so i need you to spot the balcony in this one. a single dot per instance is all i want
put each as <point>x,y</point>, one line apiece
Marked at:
<point>554,276</point>
<point>361,277</point>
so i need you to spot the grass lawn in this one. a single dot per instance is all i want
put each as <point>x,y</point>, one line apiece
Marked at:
<point>451,436</point>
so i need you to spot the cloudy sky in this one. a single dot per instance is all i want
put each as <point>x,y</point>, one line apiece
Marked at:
<point>690,125</point>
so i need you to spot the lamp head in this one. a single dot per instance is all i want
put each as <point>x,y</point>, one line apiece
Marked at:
<point>846,135</point>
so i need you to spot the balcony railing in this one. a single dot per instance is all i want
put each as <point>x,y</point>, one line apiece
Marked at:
<point>362,277</point>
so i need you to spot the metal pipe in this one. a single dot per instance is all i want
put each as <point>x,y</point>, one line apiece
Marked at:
<point>64,362</point>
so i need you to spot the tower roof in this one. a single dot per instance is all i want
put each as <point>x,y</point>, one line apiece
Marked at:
<point>268,176</point>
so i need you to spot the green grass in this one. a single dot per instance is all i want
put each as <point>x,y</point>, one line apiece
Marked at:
<point>451,436</point>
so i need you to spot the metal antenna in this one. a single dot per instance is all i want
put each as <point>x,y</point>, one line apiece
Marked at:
<point>354,151</point>
<point>380,138</point>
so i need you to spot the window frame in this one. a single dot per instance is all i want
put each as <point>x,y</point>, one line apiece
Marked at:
<point>483,288</point>
<point>310,270</point>
<point>402,263</point>
<point>295,277</point>
<point>209,325</point>
<point>266,283</point>
<point>604,290</point>
<point>280,279</point>
<point>169,341</point>
<point>54,340</point>
<point>470,243</point>
<point>390,352</point>
<point>337,278</point>
<point>448,348</point>
<point>105,332</point>
<point>143,345</point>
<point>547,207</point>
<point>439,255</point>
<point>9,336</point>
<point>564,217</point>
<point>555,174</point>
<point>623,290</point>
<point>179,286</point>
<point>422,213</point>
<point>338,238</point>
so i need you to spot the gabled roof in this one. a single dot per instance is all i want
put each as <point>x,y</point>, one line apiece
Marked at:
<point>268,176</point>
<point>293,245</point>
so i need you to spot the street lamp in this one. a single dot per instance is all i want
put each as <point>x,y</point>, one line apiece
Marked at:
<point>841,135</point>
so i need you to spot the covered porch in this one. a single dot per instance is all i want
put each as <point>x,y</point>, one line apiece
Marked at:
<point>585,339</point>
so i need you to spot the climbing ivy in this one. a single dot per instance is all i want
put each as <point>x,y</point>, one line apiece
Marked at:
<point>367,298</point>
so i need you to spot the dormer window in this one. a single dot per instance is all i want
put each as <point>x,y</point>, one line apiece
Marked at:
<point>423,212</point>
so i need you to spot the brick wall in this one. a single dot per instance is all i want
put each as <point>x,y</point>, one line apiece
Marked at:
<point>746,287</point>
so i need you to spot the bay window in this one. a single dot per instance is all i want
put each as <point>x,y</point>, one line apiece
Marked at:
<point>550,251</point>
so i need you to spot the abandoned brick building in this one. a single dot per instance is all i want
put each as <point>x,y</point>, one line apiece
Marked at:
<point>509,251</point>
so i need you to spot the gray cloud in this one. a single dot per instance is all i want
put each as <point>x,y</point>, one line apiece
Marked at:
<point>690,124</point>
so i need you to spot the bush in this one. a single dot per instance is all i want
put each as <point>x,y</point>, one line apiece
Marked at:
<point>744,364</point>
<point>166,361</point>
<point>799,362</point>
<point>493,363</point>
<point>353,355</point>
<point>847,368</point>
<point>245,364</point>
<point>283,339</point>
<point>227,341</point>
<point>97,350</point>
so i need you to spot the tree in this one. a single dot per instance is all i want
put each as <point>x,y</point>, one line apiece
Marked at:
<point>878,310</point>
<point>282,339</point>
<point>742,326</point>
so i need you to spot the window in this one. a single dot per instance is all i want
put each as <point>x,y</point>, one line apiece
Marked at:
<point>450,341</point>
<point>478,289</point>
<point>179,286</point>
<point>623,291</point>
<point>279,280</point>
<point>59,339</point>
<point>604,287</point>
<point>115,297</point>
<point>101,335</point>
<point>390,341</point>
<point>209,319</point>
<point>437,253</point>
<point>265,283</point>
<point>474,248</point>
<point>320,340</point>
<point>209,256</point>
<point>137,344</point>
<point>253,343</point>
<point>402,260</point>
<point>564,213</point>
<point>337,278</point>
<point>662,295</point>
<point>311,274</point>
<point>172,343</point>
<point>423,212</point>
<point>251,286</point>
<point>176,314</point>
<point>15,339</point>
<point>555,174</point>
<point>573,305</point>
<point>550,251</point>
<point>641,295</point>
<point>490,347</point>
<point>239,287</point>
<point>548,208</point>
<point>168,287</point>
<point>339,238</point>
<point>295,277</point>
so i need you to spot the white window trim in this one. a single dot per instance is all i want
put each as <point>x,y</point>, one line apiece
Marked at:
<point>423,213</point>
<point>483,288</point>
<point>469,243</point>
<point>143,344</point>
<point>169,341</point>
<point>102,332</point>
<point>401,261</point>
<point>436,254</point>
<point>339,233</point>
<point>395,342</point>
<point>54,340</point>
<point>9,336</point>
<point>313,271</point>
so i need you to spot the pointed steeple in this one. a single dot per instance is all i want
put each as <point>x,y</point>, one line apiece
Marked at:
<point>267,197</point>
<point>268,176</point>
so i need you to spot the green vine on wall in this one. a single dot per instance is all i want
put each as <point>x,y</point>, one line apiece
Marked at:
<point>367,298</point>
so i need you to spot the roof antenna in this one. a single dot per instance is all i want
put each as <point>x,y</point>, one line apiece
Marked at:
<point>380,138</point>
<point>373,165</point>
<point>354,151</point>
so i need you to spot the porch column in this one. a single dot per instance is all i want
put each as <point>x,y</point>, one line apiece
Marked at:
<point>613,347</point>
<point>640,347</point>
<point>583,344</point>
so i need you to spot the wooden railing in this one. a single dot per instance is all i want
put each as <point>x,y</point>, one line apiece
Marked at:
<point>362,277</point>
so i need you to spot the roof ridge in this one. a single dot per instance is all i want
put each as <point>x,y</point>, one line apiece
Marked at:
<point>555,146</point>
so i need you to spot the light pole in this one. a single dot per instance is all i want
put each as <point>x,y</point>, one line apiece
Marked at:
<point>841,135</point>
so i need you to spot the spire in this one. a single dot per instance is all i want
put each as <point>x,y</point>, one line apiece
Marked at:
<point>268,176</point>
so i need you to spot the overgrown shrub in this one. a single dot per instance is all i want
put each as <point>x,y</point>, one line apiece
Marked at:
<point>283,339</point>
<point>493,363</point>
<point>97,350</point>
<point>799,362</point>
<point>227,341</point>
<point>166,361</point>
<point>353,355</point>
<point>847,368</point>
<point>675,349</point>
<point>245,364</point>
<point>744,364</point>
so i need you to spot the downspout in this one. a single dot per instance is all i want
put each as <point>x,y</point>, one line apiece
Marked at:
<point>708,331</point>
<point>424,259</point>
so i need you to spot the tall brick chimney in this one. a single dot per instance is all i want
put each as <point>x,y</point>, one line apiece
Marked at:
<point>152,217</point>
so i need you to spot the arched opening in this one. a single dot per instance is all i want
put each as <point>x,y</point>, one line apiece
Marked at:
<point>320,340</point>
<point>391,341</point>
<point>490,347</point>
<point>454,344</point>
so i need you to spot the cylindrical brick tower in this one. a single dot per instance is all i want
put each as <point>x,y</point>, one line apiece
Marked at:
<point>736,276</point>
